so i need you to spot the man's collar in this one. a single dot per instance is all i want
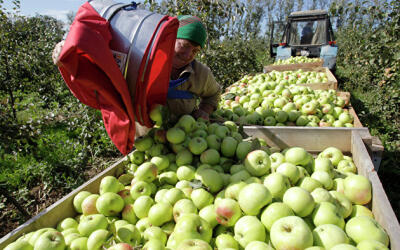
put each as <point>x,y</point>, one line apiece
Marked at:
<point>187,69</point>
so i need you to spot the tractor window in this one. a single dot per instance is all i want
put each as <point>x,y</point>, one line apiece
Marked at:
<point>308,32</point>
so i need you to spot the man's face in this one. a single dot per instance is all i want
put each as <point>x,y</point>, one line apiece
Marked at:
<point>185,52</point>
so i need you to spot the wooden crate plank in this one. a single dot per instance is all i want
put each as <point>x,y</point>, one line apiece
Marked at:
<point>380,204</point>
<point>293,66</point>
<point>61,209</point>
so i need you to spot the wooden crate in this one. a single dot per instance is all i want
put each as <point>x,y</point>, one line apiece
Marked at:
<point>331,84</point>
<point>350,141</point>
<point>294,66</point>
<point>63,208</point>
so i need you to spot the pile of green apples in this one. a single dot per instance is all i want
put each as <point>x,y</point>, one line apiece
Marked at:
<point>261,101</point>
<point>296,59</point>
<point>202,185</point>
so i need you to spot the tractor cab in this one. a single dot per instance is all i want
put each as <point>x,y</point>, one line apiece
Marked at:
<point>306,33</point>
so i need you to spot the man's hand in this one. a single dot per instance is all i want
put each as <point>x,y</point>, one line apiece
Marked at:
<point>201,113</point>
<point>56,53</point>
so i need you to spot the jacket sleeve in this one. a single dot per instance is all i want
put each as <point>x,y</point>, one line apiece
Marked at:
<point>211,92</point>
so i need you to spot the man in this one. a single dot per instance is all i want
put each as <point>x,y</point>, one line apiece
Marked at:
<point>191,81</point>
<point>193,88</point>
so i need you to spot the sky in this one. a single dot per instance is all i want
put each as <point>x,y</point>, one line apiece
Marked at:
<point>54,8</point>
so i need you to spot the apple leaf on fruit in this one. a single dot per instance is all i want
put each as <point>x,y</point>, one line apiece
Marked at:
<point>195,184</point>
<point>229,96</point>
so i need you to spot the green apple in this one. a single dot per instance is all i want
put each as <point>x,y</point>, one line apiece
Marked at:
<point>126,196</point>
<point>236,168</point>
<point>185,173</point>
<point>123,246</point>
<point>176,135</point>
<point>320,194</point>
<point>324,178</point>
<point>143,143</point>
<point>299,200</point>
<point>168,177</point>
<point>358,189</point>
<point>344,246</point>
<point>210,156</point>
<point>184,157</point>
<point>297,156</point>
<point>78,199</point>
<point>142,205</point>
<point>257,163</point>
<point>193,244</point>
<point>277,184</point>
<point>89,204</point>
<point>159,196</point>
<point>187,123</point>
<point>70,231</point>
<point>258,245</point>
<point>91,223</point>
<point>183,206</point>
<point>140,188</point>
<point>98,238</point>
<point>146,172</point>
<point>79,244</point>
<point>362,228</point>
<point>32,240</point>
<point>161,161</point>
<point>143,224</point>
<point>192,226</point>
<point>289,170</point>
<point>19,245</point>
<point>276,160</point>
<point>110,184</point>
<point>291,232</point>
<point>155,114</point>
<point>128,214</point>
<point>332,153</point>
<point>232,190</point>
<point>136,157</point>
<point>360,210</point>
<point>344,205</point>
<point>329,235</point>
<point>253,197</point>
<point>201,198</point>
<point>210,179</point>
<point>110,204</point>
<point>347,166</point>
<point>323,164</point>
<point>222,131</point>
<point>242,175</point>
<point>208,213</point>
<point>309,183</point>
<point>243,148</point>
<point>228,146</point>
<point>155,233</point>
<point>50,240</point>
<point>247,229</point>
<point>327,213</point>
<point>214,142</point>
<point>273,212</point>
<point>160,213</point>
<point>197,145</point>
<point>371,245</point>
<point>227,212</point>
<point>173,195</point>
<point>129,234</point>
<point>67,223</point>
<point>226,241</point>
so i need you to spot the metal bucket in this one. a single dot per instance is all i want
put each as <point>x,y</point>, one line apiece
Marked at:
<point>143,45</point>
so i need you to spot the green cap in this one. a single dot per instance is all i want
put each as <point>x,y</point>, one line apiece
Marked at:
<point>191,28</point>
